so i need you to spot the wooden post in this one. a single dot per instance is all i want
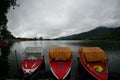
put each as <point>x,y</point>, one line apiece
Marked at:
<point>16,59</point>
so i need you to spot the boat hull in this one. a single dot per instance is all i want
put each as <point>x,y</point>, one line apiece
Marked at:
<point>91,67</point>
<point>60,69</point>
<point>29,67</point>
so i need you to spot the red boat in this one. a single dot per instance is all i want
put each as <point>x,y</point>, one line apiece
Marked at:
<point>60,61</point>
<point>32,60</point>
<point>93,59</point>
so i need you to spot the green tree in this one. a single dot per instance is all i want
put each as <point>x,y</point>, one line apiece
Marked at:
<point>40,38</point>
<point>6,34</point>
<point>4,8</point>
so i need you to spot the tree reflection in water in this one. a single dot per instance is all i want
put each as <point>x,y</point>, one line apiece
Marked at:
<point>4,65</point>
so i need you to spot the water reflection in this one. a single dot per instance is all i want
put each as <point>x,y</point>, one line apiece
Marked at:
<point>105,44</point>
<point>4,61</point>
<point>4,65</point>
<point>8,61</point>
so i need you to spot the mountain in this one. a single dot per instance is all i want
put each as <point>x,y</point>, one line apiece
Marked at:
<point>115,34</point>
<point>99,33</point>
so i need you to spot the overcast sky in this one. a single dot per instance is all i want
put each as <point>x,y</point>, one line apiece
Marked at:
<point>55,18</point>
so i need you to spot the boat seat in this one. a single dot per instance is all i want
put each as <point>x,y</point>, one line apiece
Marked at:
<point>98,68</point>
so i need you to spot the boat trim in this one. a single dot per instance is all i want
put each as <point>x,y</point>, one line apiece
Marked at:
<point>67,73</point>
<point>54,73</point>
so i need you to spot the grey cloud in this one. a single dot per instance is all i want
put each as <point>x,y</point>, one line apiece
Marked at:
<point>55,18</point>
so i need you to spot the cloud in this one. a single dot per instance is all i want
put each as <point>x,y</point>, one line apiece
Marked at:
<point>55,18</point>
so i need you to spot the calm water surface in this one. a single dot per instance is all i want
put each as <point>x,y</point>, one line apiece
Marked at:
<point>112,49</point>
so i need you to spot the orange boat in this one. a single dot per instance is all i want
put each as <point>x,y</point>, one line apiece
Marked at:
<point>93,59</point>
<point>60,61</point>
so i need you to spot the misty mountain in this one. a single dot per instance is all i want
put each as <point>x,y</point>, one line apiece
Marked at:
<point>115,35</point>
<point>98,33</point>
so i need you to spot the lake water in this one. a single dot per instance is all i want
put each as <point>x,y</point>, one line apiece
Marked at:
<point>112,49</point>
